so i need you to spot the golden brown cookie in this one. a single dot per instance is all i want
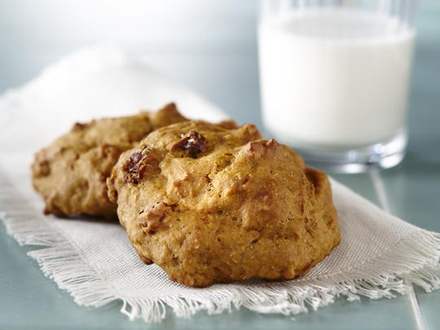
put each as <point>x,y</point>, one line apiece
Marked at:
<point>71,173</point>
<point>210,204</point>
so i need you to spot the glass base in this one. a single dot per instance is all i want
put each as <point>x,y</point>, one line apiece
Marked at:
<point>383,155</point>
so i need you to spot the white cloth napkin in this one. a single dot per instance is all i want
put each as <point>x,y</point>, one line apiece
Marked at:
<point>378,256</point>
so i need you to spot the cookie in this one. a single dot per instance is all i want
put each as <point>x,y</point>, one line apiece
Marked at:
<point>71,173</point>
<point>212,204</point>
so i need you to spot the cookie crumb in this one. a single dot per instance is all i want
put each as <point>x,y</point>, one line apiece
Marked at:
<point>79,126</point>
<point>152,220</point>
<point>41,168</point>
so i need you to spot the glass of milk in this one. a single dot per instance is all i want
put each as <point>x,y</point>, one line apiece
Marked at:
<point>334,79</point>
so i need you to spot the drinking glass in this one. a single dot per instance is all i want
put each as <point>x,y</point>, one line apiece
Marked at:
<point>334,79</point>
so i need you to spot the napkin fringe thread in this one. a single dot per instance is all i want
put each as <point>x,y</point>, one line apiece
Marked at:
<point>414,260</point>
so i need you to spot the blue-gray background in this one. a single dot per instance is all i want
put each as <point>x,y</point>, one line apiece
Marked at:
<point>208,45</point>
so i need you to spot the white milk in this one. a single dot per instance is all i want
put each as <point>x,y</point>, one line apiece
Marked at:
<point>333,78</point>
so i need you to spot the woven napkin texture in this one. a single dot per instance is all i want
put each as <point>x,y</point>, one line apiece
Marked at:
<point>379,256</point>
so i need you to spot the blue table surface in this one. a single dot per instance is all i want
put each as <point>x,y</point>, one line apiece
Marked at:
<point>228,76</point>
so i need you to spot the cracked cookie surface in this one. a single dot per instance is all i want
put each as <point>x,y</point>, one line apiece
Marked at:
<point>71,173</point>
<point>213,204</point>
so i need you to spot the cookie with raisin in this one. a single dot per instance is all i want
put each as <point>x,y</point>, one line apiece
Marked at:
<point>212,204</point>
<point>70,174</point>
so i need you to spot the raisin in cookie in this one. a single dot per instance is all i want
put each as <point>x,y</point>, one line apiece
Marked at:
<point>71,173</point>
<point>210,204</point>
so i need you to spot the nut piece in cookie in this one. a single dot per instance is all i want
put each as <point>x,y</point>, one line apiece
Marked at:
<point>211,204</point>
<point>71,173</point>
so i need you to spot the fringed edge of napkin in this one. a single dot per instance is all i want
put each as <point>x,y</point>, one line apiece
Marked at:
<point>415,259</point>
